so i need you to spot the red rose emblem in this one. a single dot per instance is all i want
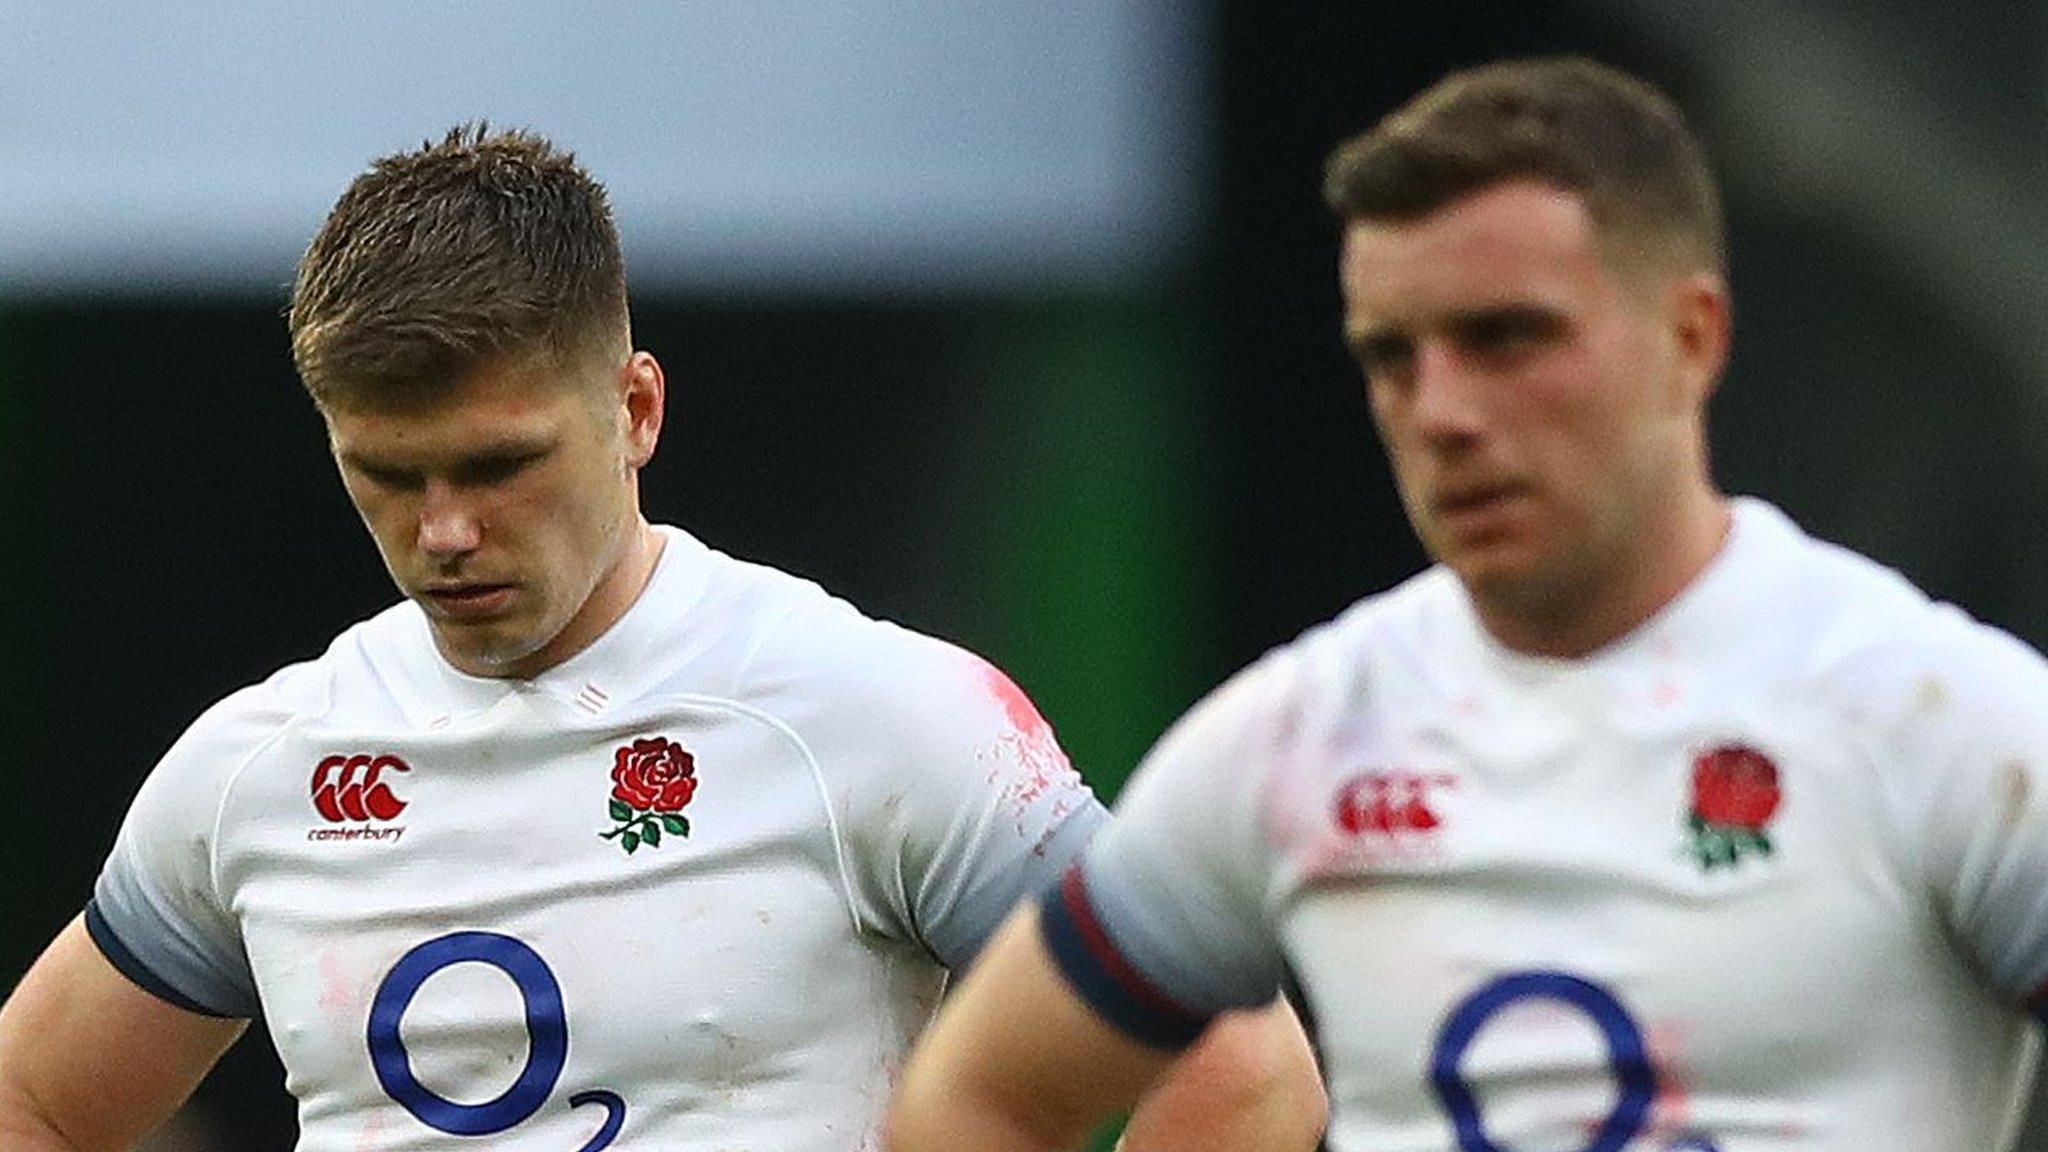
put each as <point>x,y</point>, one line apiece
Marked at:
<point>654,775</point>
<point>1734,786</point>
<point>652,780</point>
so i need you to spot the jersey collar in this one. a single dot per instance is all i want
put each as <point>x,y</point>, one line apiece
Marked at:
<point>1699,620</point>
<point>617,666</point>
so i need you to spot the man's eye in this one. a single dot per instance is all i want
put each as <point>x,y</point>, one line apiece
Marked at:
<point>1381,357</point>
<point>396,479</point>
<point>495,469</point>
<point>1508,332</point>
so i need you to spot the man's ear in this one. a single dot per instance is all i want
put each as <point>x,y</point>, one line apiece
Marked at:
<point>1701,315</point>
<point>645,400</point>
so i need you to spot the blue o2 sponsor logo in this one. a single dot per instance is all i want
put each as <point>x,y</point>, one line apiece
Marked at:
<point>547,1031</point>
<point>1628,1060</point>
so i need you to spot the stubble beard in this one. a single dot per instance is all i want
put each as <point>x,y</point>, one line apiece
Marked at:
<point>501,654</point>
<point>1567,598</point>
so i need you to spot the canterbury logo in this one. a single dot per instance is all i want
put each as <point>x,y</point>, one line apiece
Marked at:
<point>1390,803</point>
<point>348,788</point>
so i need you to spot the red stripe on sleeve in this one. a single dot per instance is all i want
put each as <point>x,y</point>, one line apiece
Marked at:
<point>1074,894</point>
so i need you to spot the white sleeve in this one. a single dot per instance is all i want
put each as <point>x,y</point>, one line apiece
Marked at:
<point>1166,921</point>
<point>156,911</point>
<point>954,798</point>
<point>1976,801</point>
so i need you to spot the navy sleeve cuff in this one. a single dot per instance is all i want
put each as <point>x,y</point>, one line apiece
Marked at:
<point>2037,1004</point>
<point>124,961</point>
<point>1117,991</point>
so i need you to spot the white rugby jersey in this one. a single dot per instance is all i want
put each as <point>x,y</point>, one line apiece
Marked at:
<point>695,888</point>
<point>1771,872</point>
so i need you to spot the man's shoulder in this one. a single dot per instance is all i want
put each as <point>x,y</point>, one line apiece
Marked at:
<point>240,724</point>
<point>1400,641</point>
<point>714,615</point>
<point>787,633</point>
<point>1428,613</point>
<point>1408,634</point>
<point>1852,627</point>
<point>1822,582</point>
<point>828,659</point>
<point>311,689</point>
<point>884,710</point>
<point>785,646</point>
<point>743,603</point>
<point>1933,658</point>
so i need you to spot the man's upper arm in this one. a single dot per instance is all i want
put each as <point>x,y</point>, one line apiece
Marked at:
<point>1018,1061</point>
<point>90,1061</point>
<point>995,811</point>
<point>1976,785</point>
<point>131,1004</point>
<point>1164,925</point>
<point>1250,1084</point>
<point>1089,993</point>
<point>953,794</point>
<point>157,912</point>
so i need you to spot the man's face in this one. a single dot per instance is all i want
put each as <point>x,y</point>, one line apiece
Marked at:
<point>500,505</point>
<point>1540,411</point>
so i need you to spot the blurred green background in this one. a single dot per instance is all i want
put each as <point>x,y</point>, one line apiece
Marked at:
<point>1119,482</point>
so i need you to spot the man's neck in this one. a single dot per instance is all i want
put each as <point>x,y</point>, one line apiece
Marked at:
<point>617,591</point>
<point>1662,561</point>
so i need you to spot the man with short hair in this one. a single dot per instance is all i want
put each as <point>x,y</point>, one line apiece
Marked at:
<point>601,836</point>
<point>1641,821</point>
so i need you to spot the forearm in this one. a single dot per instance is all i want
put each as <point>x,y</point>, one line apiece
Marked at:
<point>91,1063</point>
<point>951,1099</point>
<point>24,1128</point>
<point>917,1125</point>
<point>1249,1085</point>
<point>1015,1062</point>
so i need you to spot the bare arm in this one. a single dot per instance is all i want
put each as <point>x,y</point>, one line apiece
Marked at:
<point>1250,1084</point>
<point>1016,1062</point>
<point>88,1061</point>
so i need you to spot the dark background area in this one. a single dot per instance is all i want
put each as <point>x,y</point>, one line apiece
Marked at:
<point>1119,496</point>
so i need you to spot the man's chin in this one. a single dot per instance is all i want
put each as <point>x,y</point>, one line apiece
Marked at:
<point>1475,557</point>
<point>1501,573</point>
<point>473,650</point>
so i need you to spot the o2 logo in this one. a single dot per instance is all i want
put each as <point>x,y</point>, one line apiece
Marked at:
<point>1628,1060</point>
<point>547,1030</point>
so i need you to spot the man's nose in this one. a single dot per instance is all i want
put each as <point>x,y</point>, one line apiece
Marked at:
<point>449,522</point>
<point>1447,405</point>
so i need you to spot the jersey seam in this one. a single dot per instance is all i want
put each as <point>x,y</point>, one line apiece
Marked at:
<point>789,732</point>
<point>768,630</point>
<point>740,673</point>
<point>213,848</point>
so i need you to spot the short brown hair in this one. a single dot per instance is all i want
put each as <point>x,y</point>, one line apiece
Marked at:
<point>436,261</point>
<point>1577,125</point>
